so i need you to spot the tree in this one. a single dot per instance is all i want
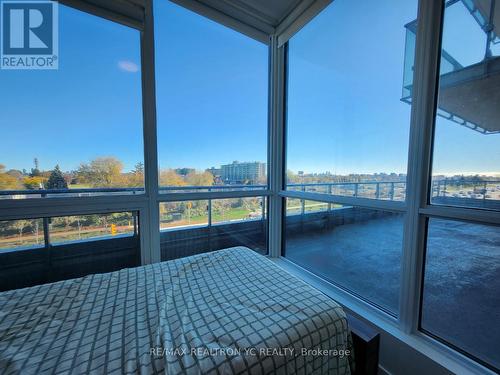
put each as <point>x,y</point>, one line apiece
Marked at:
<point>101,172</point>
<point>221,207</point>
<point>34,183</point>
<point>35,172</point>
<point>136,177</point>
<point>7,182</point>
<point>20,225</point>
<point>168,177</point>
<point>56,180</point>
<point>138,168</point>
<point>200,179</point>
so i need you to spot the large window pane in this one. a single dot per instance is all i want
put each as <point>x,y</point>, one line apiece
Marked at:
<point>348,128</point>
<point>461,302</point>
<point>78,127</point>
<point>200,226</point>
<point>41,250</point>
<point>178,215</point>
<point>356,248</point>
<point>21,234</point>
<point>211,85</point>
<point>466,157</point>
<point>69,229</point>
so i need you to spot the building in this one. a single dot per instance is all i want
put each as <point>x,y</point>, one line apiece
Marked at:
<point>216,172</point>
<point>237,172</point>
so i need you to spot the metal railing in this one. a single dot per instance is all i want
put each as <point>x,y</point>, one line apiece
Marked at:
<point>466,189</point>
<point>354,189</point>
<point>83,192</point>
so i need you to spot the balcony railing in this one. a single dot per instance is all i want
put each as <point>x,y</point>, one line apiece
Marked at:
<point>465,188</point>
<point>86,192</point>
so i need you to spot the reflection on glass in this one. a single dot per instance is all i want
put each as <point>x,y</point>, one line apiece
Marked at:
<point>356,248</point>
<point>65,134</point>
<point>211,85</point>
<point>466,157</point>
<point>347,127</point>
<point>19,234</point>
<point>462,279</point>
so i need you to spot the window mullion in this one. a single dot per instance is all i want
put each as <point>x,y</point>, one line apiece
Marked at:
<point>426,68</point>
<point>276,143</point>
<point>150,251</point>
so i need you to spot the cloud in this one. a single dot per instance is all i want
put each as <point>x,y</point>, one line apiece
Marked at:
<point>128,66</point>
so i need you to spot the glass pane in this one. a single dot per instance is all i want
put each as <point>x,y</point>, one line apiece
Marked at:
<point>177,215</point>
<point>356,248</point>
<point>211,85</point>
<point>67,229</point>
<point>466,157</point>
<point>186,228</point>
<point>21,234</point>
<point>44,250</point>
<point>237,209</point>
<point>78,129</point>
<point>348,127</point>
<point>461,303</point>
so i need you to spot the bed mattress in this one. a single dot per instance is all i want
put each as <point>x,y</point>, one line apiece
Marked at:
<point>227,312</point>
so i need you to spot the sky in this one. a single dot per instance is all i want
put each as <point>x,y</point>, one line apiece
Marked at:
<point>344,109</point>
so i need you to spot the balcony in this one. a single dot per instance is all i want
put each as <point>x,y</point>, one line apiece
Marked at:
<point>468,88</point>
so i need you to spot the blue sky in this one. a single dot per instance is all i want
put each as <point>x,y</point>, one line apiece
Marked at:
<point>345,78</point>
<point>90,107</point>
<point>345,113</point>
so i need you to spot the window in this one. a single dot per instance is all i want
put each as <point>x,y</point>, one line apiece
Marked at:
<point>41,250</point>
<point>347,128</point>
<point>462,279</point>
<point>68,229</point>
<point>211,89</point>
<point>348,117</point>
<point>199,226</point>
<point>356,248</point>
<point>78,129</point>
<point>460,305</point>
<point>466,158</point>
<point>21,234</point>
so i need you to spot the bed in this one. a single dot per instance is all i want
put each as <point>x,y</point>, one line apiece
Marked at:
<point>231,311</point>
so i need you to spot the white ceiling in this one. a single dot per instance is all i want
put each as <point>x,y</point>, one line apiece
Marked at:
<point>274,10</point>
<point>258,19</point>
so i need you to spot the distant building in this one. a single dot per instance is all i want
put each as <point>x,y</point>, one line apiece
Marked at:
<point>237,172</point>
<point>216,172</point>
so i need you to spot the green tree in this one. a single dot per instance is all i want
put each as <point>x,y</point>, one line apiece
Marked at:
<point>136,177</point>
<point>35,172</point>
<point>56,180</point>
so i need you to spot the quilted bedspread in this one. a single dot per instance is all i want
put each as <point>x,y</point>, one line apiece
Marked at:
<point>227,312</point>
